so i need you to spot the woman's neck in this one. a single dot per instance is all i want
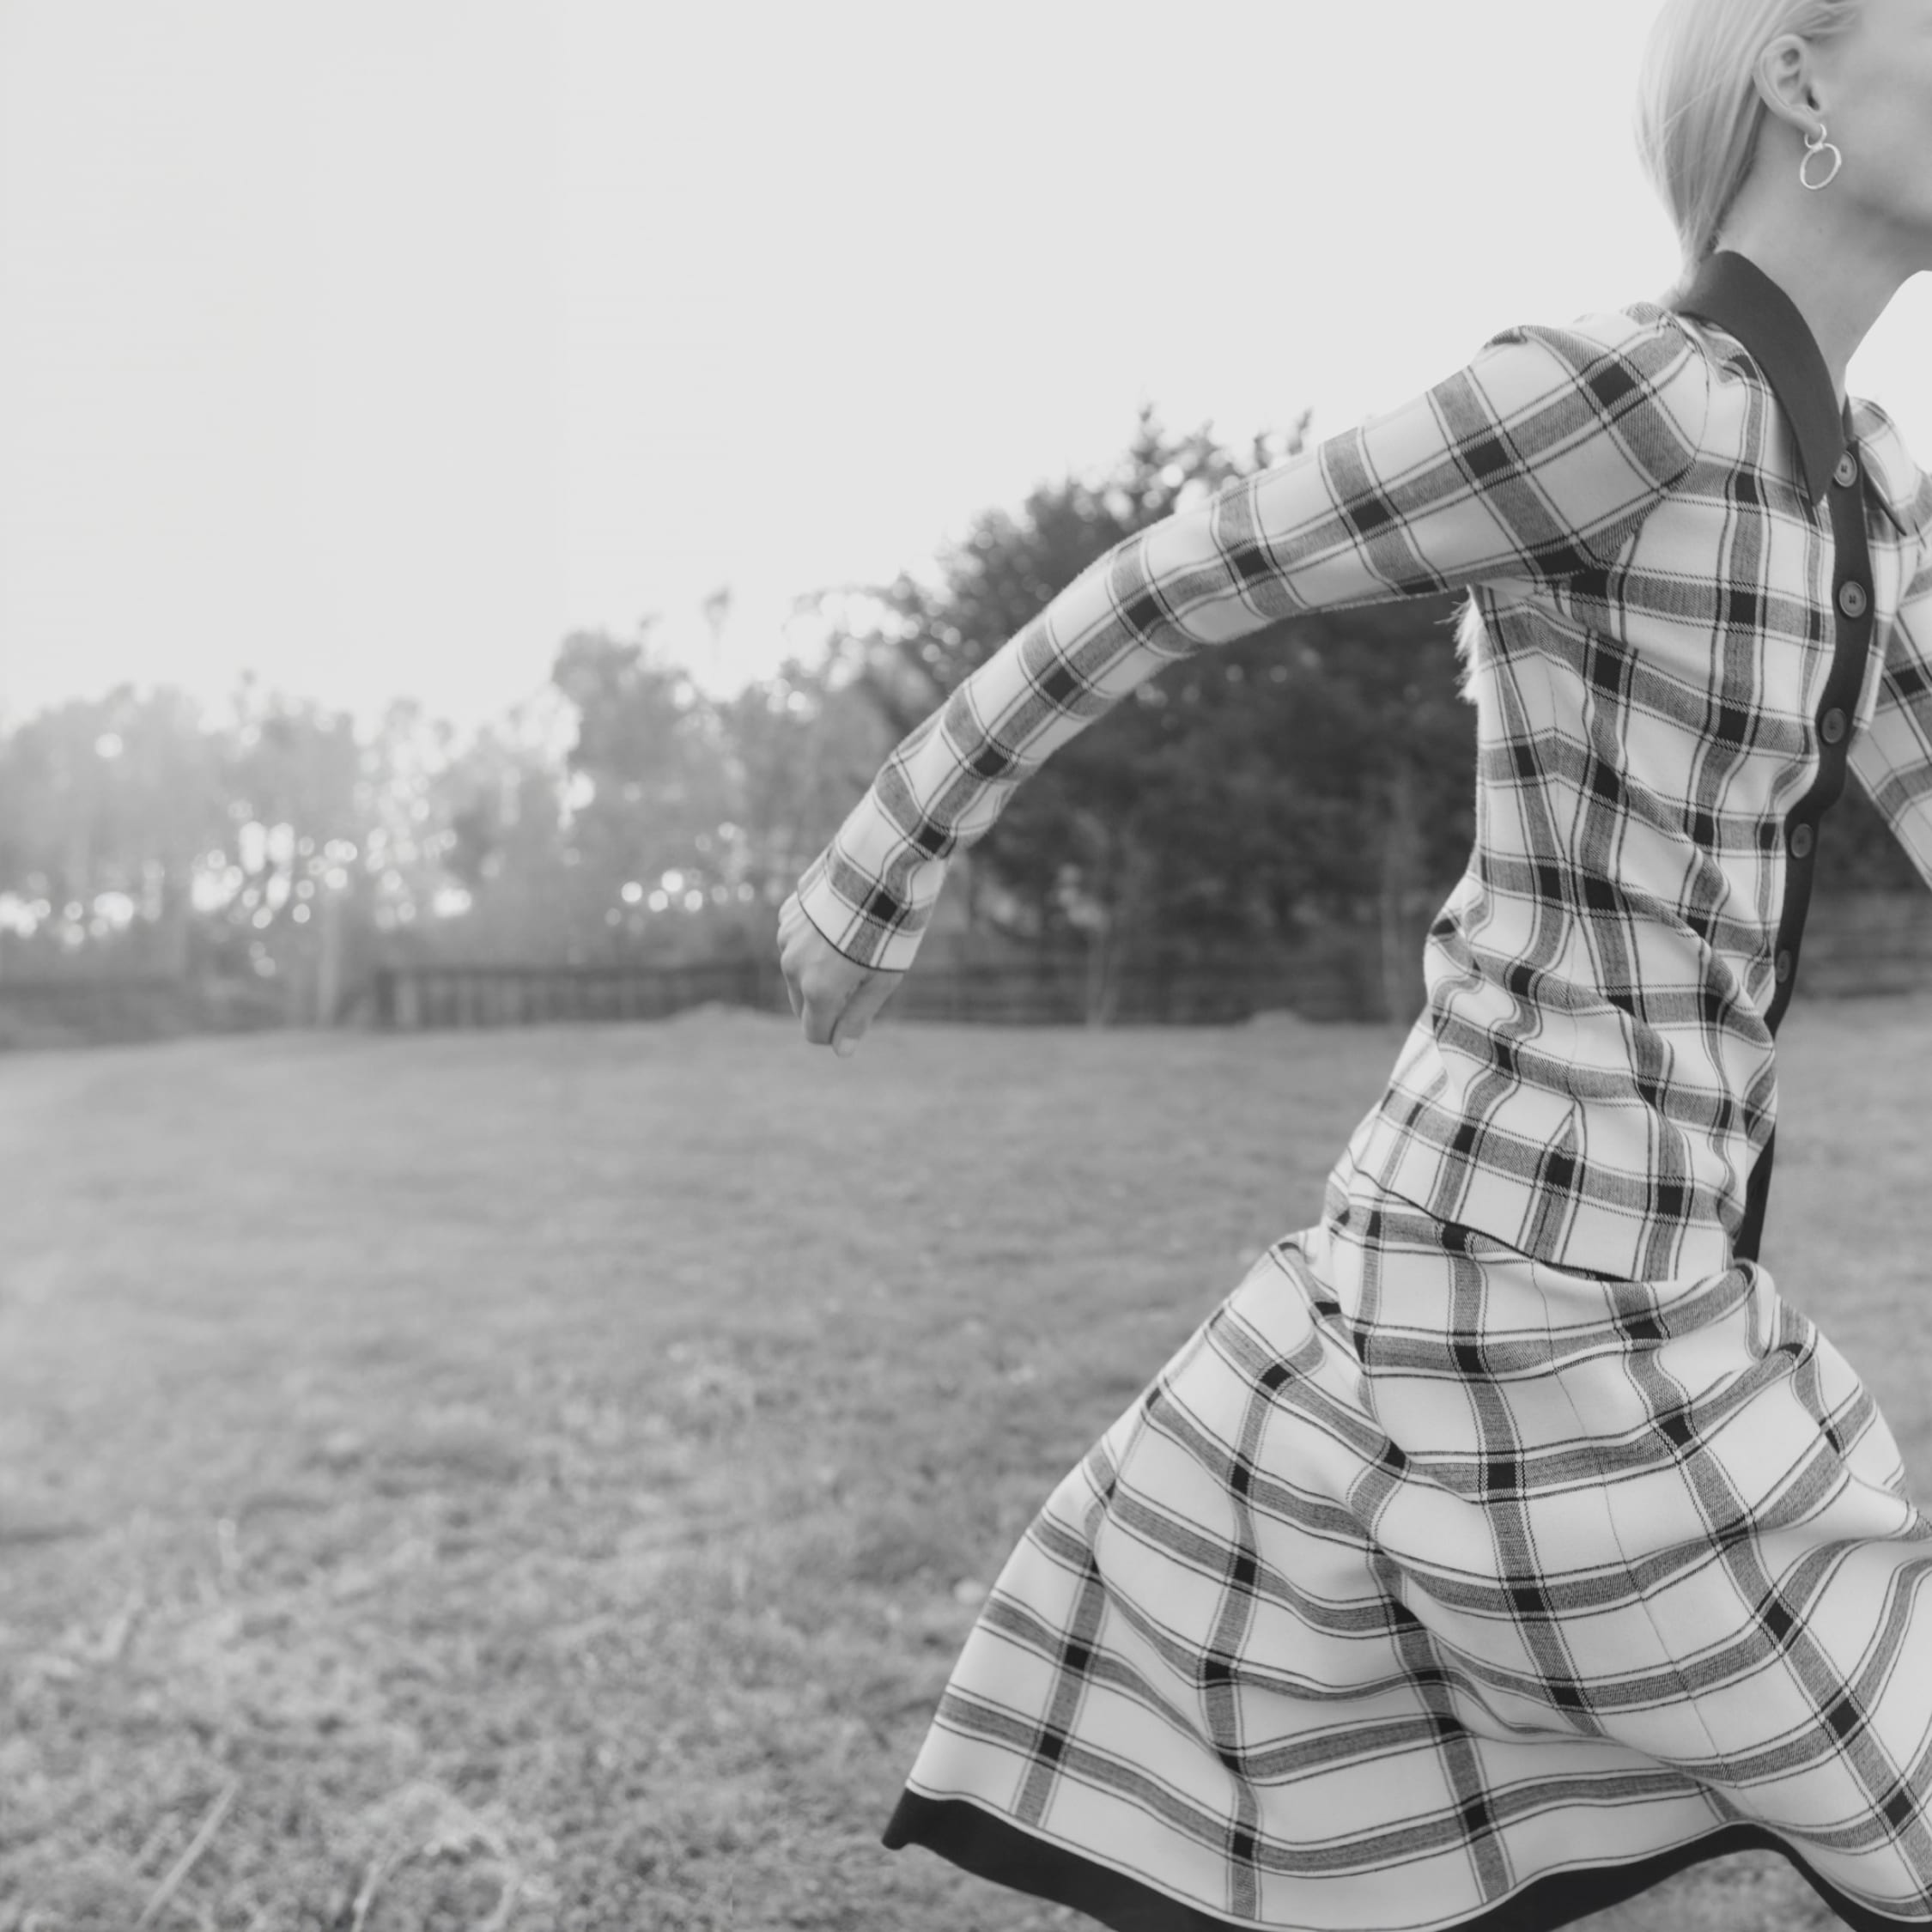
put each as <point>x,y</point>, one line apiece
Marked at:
<point>1839,282</point>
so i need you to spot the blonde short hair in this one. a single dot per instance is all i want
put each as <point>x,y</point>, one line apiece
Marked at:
<point>1698,111</point>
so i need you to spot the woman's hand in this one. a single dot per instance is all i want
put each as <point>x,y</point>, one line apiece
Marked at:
<point>836,998</point>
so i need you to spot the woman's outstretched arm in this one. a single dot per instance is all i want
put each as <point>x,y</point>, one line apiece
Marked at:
<point>1536,461</point>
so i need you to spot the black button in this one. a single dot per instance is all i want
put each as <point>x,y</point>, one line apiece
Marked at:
<point>1784,965</point>
<point>1802,839</point>
<point>1846,474</point>
<point>1830,726</point>
<point>1852,599</point>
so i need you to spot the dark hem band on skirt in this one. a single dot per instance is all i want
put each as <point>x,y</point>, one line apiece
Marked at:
<point>990,1848</point>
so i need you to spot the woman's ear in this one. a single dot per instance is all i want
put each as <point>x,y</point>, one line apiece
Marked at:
<point>1786,77</point>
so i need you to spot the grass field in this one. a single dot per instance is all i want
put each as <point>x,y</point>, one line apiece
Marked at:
<point>541,1480</point>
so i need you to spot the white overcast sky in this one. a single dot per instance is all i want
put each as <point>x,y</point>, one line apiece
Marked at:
<point>372,345</point>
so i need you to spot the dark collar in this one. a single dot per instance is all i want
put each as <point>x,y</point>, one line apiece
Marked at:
<point>1737,295</point>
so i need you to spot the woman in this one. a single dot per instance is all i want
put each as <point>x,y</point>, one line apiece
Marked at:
<point>1504,1542</point>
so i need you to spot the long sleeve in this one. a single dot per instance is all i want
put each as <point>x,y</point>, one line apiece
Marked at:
<point>1537,461</point>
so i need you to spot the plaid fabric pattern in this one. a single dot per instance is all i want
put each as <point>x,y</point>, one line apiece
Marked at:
<point>1640,514</point>
<point>1426,1574</point>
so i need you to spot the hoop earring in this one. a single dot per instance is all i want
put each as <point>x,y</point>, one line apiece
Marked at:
<point>1817,144</point>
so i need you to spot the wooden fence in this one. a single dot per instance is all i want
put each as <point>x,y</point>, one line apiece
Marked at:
<point>1866,943</point>
<point>1880,944</point>
<point>82,1007</point>
<point>410,998</point>
<point>1045,991</point>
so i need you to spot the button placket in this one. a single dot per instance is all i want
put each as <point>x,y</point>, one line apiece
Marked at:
<point>1851,601</point>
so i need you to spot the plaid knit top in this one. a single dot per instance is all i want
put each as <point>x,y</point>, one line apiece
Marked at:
<point>1702,592</point>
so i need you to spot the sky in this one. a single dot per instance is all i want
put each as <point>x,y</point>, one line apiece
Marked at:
<point>371,347</point>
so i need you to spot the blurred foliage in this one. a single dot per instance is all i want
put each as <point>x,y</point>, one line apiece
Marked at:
<point>619,814</point>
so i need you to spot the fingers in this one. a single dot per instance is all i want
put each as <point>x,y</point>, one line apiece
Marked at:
<point>836,998</point>
<point>817,981</point>
<point>851,1025</point>
<point>819,1017</point>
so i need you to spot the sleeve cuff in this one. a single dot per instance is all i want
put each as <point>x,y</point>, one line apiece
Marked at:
<point>852,931</point>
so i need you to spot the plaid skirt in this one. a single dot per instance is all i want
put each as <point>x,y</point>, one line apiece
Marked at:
<point>1428,1585</point>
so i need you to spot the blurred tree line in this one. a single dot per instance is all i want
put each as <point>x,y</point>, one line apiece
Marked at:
<point>1310,785</point>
